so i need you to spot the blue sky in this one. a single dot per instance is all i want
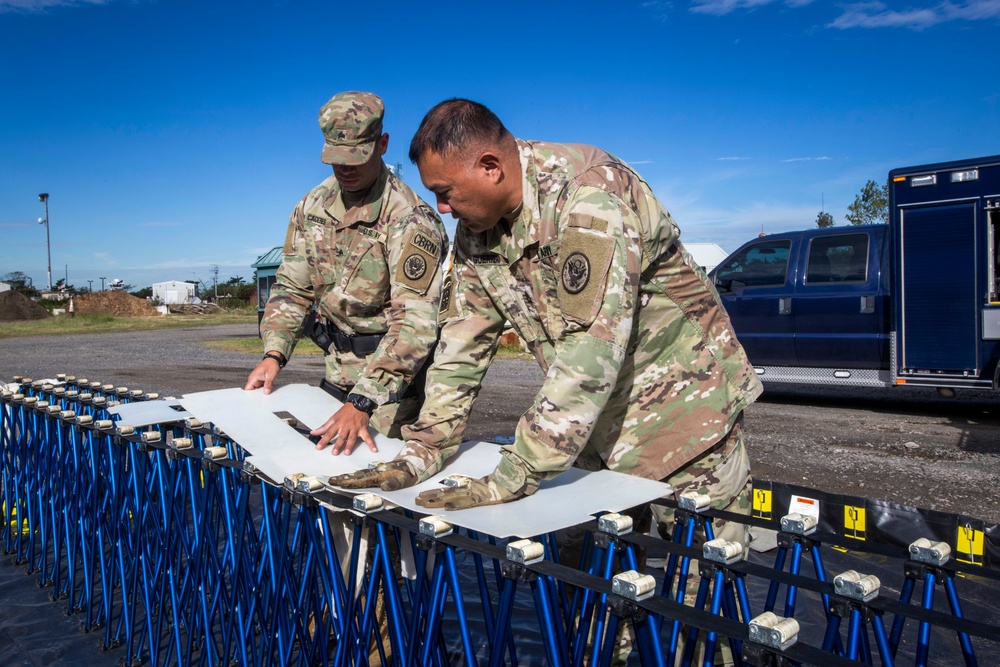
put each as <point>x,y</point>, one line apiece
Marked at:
<point>177,135</point>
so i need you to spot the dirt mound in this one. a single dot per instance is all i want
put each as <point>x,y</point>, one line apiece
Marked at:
<point>15,306</point>
<point>119,304</point>
<point>195,308</point>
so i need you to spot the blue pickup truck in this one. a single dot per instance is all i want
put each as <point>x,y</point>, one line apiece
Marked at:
<point>914,302</point>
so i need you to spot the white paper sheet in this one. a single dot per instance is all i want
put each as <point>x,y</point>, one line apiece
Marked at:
<point>144,413</point>
<point>278,451</point>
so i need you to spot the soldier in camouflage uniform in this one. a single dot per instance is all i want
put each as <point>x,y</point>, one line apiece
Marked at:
<point>366,252</point>
<point>644,374</point>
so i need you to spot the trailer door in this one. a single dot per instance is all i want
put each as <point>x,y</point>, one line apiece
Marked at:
<point>939,330</point>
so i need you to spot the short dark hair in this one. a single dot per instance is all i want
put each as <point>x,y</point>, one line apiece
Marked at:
<point>456,124</point>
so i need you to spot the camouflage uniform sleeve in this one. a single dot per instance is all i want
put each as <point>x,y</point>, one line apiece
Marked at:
<point>597,292</point>
<point>416,246</point>
<point>470,331</point>
<point>292,293</point>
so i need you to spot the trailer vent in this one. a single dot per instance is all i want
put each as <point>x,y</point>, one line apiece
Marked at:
<point>842,374</point>
<point>923,181</point>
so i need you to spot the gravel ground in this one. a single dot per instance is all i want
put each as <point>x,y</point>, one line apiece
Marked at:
<point>901,445</point>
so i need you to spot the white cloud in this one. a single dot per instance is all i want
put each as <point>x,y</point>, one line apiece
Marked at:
<point>658,9</point>
<point>878,15</point>
<point>732,158</point>
<point>106,258</point>
<point>30,6</point>
<point>722,7</point>
<point>806,159</point>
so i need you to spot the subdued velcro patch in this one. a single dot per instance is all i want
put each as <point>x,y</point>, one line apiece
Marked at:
<point>418,261</point>
<point>449,306</point>
<point>289,247</point>
<point>585,259</point>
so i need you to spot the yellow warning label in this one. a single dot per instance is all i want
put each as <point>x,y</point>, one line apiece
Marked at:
<point>854,522</point>
<point>762,503</point>
<point>970,545</point>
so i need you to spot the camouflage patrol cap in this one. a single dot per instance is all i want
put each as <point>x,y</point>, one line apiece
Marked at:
<point>352,123</point>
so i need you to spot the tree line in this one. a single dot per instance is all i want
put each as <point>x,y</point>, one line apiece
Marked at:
<point>870,207</point>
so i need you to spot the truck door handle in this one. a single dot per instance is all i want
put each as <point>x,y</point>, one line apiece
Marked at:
<point>867,304</point>
<point>785,305</point>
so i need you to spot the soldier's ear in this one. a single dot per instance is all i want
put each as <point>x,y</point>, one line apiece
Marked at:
<point>491,166</point>
<point>382,143</point>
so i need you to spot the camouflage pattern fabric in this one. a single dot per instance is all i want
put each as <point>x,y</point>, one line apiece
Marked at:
<point>644,373</point>
<point>351,123</point>
<point>370,269</point>
<point>389,476</point>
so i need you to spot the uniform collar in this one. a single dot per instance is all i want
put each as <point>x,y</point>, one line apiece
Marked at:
<point>366,211</point>
<point>510,238</point>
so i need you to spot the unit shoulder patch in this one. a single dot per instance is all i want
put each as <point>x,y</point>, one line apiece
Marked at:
<point>418,261</point>
<point>586,260</point>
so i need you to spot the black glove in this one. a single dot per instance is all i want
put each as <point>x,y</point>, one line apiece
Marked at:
<point>390,476</point>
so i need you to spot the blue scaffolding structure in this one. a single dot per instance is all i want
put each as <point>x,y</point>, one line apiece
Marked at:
<point>168,543</point>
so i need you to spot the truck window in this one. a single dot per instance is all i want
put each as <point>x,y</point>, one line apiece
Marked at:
<point>841,259</point>
<point>760,265</point>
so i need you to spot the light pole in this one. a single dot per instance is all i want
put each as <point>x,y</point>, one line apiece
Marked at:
<point>102,282</point>
<point>44,198</point>
<point>90,285</point>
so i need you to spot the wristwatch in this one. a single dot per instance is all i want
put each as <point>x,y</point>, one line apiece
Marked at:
<point>277,357</point>
<point>362,403</point>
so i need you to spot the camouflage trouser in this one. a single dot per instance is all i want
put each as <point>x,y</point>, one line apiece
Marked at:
<point>724,474</point>
<point>389,418</point>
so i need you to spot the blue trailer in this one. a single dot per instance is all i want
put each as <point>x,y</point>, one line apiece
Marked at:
<point>914,302</point>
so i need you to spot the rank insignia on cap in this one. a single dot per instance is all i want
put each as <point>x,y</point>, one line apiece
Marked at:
<point>576,273</point>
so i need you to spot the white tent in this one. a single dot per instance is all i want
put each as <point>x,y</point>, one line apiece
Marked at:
<point>708,255</point>
<point>173,292</point>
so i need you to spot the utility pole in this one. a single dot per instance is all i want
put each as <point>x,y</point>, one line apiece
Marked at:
<point>102,283</point>
<point>215,280</point>
<point>90,285</point>
<point>44,198</point>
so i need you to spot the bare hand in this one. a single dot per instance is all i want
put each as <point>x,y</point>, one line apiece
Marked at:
<point>263,376</point>
<point>344,428</point>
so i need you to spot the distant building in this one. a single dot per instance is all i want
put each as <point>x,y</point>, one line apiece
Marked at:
<point>4,287</point>
<point>265,273</point>
<point>708,255</point>
<point>173,292</point>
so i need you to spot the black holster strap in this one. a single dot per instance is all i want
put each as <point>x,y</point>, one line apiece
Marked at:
<point>327,336</point>
<point>334,390</point>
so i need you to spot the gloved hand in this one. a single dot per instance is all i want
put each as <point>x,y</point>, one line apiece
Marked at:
<point>390,476</point>
<point>474,493</point>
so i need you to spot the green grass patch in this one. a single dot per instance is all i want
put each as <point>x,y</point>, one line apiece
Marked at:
<point>255,346</point>
<point>65,325</point>
<point>513,352</point>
